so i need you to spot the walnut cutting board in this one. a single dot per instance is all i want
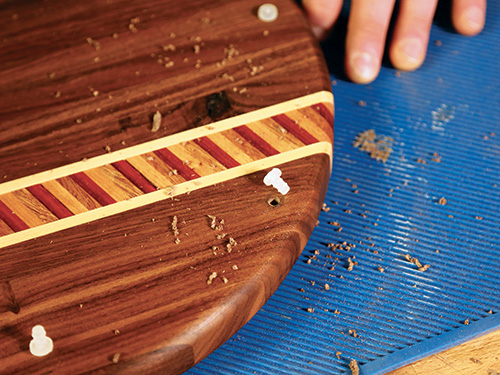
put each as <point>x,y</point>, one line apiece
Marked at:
<point>111,233</point>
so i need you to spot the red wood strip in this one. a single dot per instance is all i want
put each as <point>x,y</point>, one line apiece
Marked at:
<point>87,184</point>
<point>134,176</point>
<point>11,219</point>
<point>324,112</point>
<point>176,163</point>
<point>256,141</point>
<point>49,201</point>
<point>222,156</point>
<point>295,129</point>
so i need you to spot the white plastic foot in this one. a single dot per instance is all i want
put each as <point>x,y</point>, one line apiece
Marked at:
<point>273,178</point>
<point>267,13</point>
<point>41,345</point>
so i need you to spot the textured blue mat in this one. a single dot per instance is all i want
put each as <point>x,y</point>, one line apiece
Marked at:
<point>449,107</point>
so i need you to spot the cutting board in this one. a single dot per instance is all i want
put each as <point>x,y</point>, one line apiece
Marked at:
<point>135,225</point>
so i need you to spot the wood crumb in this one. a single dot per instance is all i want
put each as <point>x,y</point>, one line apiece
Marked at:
<point>353,333</point>
<point>351,264</point>
<point>94,43</point>
<point>466,322</point>
<point>337,354</point>
<point>115,358</point>
<point>107,149</point>
<point>442,201</point>
<point>302,290</point>
<point>211,277</point>
<point>225,280</point>
<point>438,43</point>
<point>421,161</point>
<point>325,208</point>
<point>327,287</point>
<point>310,309</point>
<point>116,332</point>
<point>157,118</point>
<point>479,217</point>
<point>476,361</point>
<point>362,103</point>
<point>353,365</point>
<point>234,267</point>
<point>378,147</point>
<point>381,269</point>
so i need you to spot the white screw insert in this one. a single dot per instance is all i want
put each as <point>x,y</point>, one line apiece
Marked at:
<point>273,178</point>
<point>267,13</point>
<point>41,345</point>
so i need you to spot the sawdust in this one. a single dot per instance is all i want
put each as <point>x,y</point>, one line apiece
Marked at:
<point>379,147</point>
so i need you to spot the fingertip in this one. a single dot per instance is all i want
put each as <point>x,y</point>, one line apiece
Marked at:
<point>362,67</point>
<point>408,54</point>
<point>470,21</point>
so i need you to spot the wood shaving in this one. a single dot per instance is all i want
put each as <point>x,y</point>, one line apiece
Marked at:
<point>379,147</point>
<point>353,365</point>
<point>466,322</point>
<point>327,287</point>
<point>310,309</point>
<point>94,43</point>
<point>353,333</point>
<point>351,264</point>
<point>156,122</point>
<point>211,277</point>
<point>325,208</point>
<point>115,358</point>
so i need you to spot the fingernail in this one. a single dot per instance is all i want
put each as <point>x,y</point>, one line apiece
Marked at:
<point>412,50</point>
<point>474,17</point>
<point>364,65</point>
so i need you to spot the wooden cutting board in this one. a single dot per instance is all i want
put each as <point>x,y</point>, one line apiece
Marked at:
<point>140,251</point>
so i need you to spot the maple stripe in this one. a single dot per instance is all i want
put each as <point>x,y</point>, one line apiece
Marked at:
<point>11,219</point>
<point>256,141</point>
<point>95,191</point>
<point>324,112</point>
<point>134,176</point>
<point>49,201</point>
<point>222,156</point>
<point>295,129</point>
<point>169,158</point>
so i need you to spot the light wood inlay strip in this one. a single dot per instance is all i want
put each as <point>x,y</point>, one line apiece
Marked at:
<point>27,208</point>
<point>113,182</point>
<point>81,195</point>
<point>64,196</point>
<point>273,133</point>
<point>204,181</point>
<point>313,121</point>
<point>5,229</point>
<point>227,142</point>
<point>199,160</point>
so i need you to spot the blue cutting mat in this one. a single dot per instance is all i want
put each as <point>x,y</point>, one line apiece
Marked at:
<point>447,111</point>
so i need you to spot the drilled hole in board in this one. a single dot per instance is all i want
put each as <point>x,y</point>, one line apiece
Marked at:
<point>274,202</point>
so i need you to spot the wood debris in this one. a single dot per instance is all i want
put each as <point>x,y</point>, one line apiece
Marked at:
<point>310,309</point>
<point>156,122</point>
<point>353,365</point>
<point>351,264</point>
<point>94,43</point>
<point>466,322</point>
<point>325,208</point>
<point>442,201</point>
<point>115,358</point>
<point>416,262</point>
<point>379,147</point>
<point>175,230</point>
<point>211,277</point>
<point>353,333</point>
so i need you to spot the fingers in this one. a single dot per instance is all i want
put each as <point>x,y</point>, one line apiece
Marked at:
<point>411,33</point>
<point>468,16</point>
<point>366,34</point>
<point>322,14</point>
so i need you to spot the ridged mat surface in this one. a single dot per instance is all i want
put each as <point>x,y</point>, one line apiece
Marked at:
<point>444,120</point>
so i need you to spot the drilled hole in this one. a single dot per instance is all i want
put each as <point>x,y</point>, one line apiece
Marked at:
<point>274,202</point>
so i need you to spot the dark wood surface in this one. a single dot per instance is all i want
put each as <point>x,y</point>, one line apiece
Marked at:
<point>80,79</point>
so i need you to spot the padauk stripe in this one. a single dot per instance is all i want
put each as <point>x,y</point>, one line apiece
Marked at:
<point>49,201</point>
<point>11,219</point>
<point>298,132</point>
<point>324,112</point>
<point>222,156</point>
<point>256,141</point>
<point>95,191</point>
<point>173,161</point>
<point>134,176</point>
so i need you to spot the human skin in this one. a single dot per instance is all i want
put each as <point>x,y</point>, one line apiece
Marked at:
<point>368,24</point>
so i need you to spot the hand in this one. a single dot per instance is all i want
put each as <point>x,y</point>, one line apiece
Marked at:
<point>368,24</point>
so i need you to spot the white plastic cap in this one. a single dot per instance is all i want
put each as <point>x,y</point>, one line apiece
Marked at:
<point>273,178</point>
<point>41,345</point>
<point>267,13</point>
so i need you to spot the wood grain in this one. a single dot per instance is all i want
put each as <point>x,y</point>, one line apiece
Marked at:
<point>480,356</point>
<point>100,272</point>
<point>79,85</point>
